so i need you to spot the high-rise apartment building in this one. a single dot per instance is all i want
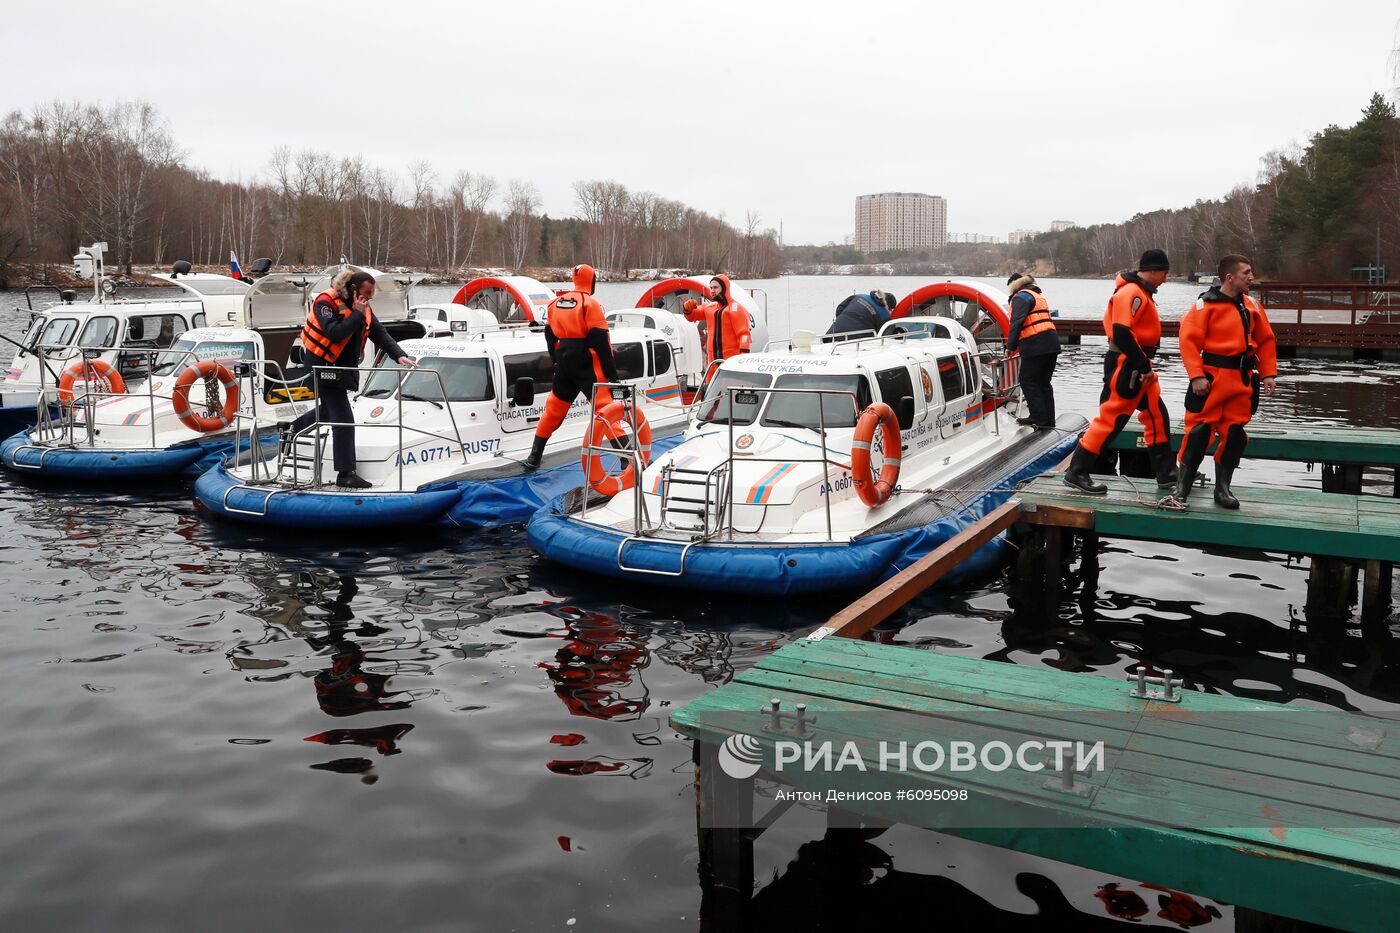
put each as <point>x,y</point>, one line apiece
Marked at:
<point>900,220</point>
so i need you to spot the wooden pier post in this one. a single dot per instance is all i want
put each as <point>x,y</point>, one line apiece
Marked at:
<point>723,816</point>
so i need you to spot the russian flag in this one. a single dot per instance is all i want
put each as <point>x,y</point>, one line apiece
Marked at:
<point>233,265</point>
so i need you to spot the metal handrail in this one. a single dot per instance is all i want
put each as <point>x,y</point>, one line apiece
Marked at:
<point>294,439</point>
<point>721,476</point>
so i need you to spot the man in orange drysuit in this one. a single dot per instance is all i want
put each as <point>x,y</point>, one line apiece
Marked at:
<point>577,336</point>
<point>1129,382</point>
<point>1228,348</point>
<point>727,331</point>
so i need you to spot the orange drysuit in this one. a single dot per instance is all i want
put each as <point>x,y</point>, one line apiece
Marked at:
<point>1134,332</point>
<point>727,331</point>
<point>1228,341</point>
<point>577,336</point>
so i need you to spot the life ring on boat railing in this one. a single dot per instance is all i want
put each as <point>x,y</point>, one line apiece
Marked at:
<point>609,425</point>
<point>180,397</point>
<point>874,491</point>
<point>98,372</point>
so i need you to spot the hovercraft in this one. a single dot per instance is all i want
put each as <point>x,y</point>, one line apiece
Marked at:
<point>819,466</point>
<point>445,443</point>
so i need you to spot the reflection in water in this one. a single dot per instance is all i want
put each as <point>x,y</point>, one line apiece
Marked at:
<point>450,669</point>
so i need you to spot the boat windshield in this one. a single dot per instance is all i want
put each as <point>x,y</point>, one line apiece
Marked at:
<point>793,410</point>
<point>59,333</point>
<point>36,325</point>
<point>715,409</point>
<point>184,352</point>
<point>465,380</point>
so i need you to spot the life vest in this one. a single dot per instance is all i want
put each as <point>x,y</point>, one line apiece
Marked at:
<point>315,341</point>
<point>1038,320</point>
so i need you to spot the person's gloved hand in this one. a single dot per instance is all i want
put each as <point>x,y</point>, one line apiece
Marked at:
<point>690,304</point>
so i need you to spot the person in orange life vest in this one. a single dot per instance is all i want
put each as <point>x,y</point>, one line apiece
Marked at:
<point>1033,334</point>
<point>577,336</point>
<point>337,328</point>
<point>1228,348</point>
<point>727,331</point>
<point>1130,385</point>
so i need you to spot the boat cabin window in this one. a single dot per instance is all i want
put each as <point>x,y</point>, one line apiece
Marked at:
<point>538,366</point>
<point>199,320</point>
<point>630,359</point>
<point>715,409</point>
<point>970,380</point>
<point>660,353</point>
<point>464,380</point>
<point>36,324</point>
<point>59,333</point>
<point>895,384</point>
<point>950,376</point>
<point>185,352</point>
<point>801,411</point>
<point>156,331</point>
<point>99,332</point>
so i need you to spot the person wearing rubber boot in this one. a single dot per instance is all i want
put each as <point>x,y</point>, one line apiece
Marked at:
<point>1228,349</point>
<point>337,328</point>
<point>1130,383</point>
<point>727,329</point>
<point>1033,334</point>
<point>577,336</point>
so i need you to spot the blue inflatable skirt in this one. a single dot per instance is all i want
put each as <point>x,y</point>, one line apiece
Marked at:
<point>105,465</point>
<point>471,504</point>
<point>777,569</point>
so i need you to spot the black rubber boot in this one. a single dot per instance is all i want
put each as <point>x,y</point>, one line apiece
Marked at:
<point>1078,476</point>
<point>1230,453</point>
<point>1163,463</point>
<point>351,480</point>
<point>536,452</point>
<point>1193,450</point>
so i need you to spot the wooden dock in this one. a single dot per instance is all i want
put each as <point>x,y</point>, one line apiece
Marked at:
<point>1284,813</point>
<point>1287,812</point>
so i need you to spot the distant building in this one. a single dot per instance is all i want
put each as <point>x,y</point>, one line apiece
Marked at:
<point>971,238</point>
<point>900,220</point>
<point>1016,237</point>
<point>1057,225</point>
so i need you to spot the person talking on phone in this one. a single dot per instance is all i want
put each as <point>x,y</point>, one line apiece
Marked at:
<point>337,328</point>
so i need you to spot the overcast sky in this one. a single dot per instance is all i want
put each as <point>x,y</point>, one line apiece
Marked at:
<point>1019,113</point>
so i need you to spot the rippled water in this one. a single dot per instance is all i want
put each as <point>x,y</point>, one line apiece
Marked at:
<point>208,728</point>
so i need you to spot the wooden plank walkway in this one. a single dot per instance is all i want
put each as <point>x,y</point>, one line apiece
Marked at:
<point>1293,521</point>
<point>1308,443</point>
<point>1290,812</point>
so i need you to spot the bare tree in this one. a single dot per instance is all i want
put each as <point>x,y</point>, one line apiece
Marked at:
<point>522,203</point>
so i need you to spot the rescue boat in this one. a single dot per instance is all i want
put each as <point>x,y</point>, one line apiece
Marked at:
<point>181,421</point>
<point>819,466</point>
<point>115,334</point>
<point>446,443</point>
<point>183,415</point>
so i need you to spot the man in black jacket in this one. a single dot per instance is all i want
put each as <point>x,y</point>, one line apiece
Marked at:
<point>337,328</point>
<point>862,312</point>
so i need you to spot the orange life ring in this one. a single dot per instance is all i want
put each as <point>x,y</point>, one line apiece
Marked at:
<point>180,397</point>
<point>92,371</point>
<point>875,492</point>
<point>611,424</point>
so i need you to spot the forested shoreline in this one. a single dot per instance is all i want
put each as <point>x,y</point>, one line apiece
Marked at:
<point>73,173</point>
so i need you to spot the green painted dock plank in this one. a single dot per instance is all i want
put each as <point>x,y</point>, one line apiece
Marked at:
<point>1293,812</point>
<point>1312,735</point>
<point>1295,521</point>
<point>1308,443</point>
